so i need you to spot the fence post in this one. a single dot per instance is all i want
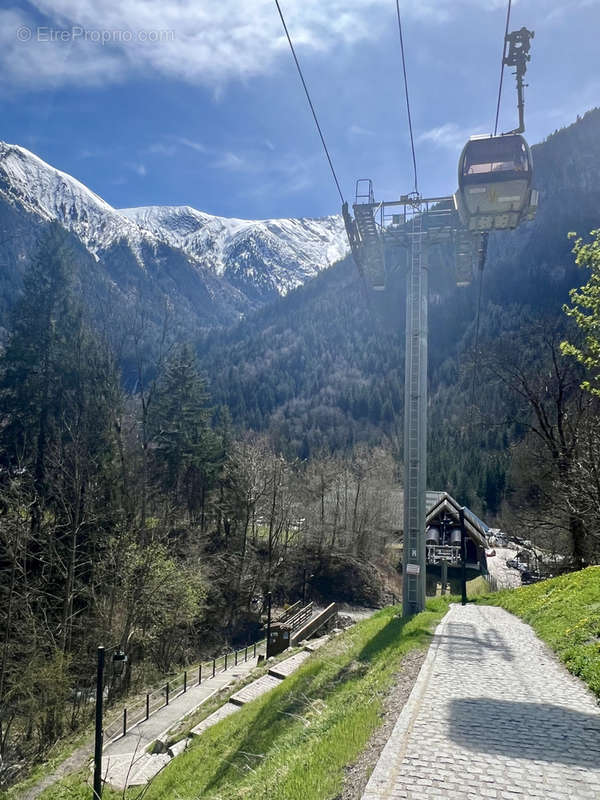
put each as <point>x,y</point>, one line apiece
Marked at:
<point>147,705</point>
<point>225,662</point>
<point>185,682</point>
<point>246,654</point>
<point>199,674</point>
<point>236,654</point>
<point>167,692</point>
<point>124,721</point>
<point>214,667</point>
<point>254,649</point>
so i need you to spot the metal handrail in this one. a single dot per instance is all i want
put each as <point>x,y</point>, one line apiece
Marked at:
<point>129,716</point>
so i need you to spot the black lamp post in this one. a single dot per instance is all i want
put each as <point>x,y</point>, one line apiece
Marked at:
<point>119,660</point>
<point>268,624</point>
<point>463,559</point>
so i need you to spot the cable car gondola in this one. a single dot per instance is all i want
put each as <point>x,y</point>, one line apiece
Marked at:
<point>494,183</point>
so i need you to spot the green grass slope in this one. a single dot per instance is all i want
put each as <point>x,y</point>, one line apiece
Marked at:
<point>294,743</point>
<point>565,613</point>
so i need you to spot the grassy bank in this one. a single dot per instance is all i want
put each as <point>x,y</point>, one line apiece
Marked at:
<point>565,613</point>
<point>294,743</point>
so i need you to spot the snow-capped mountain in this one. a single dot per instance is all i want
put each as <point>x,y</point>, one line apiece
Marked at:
<point>38,188</point>
<point>240,262</point>
<point>273,255</point>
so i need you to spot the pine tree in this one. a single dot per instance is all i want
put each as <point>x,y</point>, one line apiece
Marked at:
<point>58,390</point>
<point>186,450</point>
<point>31,400</point>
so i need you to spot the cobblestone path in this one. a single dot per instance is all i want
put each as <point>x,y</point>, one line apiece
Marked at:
<point>492,715</point>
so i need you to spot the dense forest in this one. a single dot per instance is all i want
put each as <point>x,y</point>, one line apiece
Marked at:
<point>142,519</point>
<point>324,367</point>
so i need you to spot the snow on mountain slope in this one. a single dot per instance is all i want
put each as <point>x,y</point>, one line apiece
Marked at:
<point>53,195</point>
<point>259,257</point>
<point>281,253</point>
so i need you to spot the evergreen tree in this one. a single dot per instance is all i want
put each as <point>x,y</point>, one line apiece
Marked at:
<point>58,389</point>
<point>34,362</point>
<point>186,450</point>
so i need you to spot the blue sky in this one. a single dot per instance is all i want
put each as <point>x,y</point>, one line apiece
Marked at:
<point>197,102</point>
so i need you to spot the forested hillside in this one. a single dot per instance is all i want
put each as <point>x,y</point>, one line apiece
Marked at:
<point>133,514</point>
<point>323,369</point>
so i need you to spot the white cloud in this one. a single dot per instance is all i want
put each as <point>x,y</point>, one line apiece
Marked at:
<point>203,42</point>
<point>358,130</point>
<point>194,40</point>
<point>139,169</point>
<point>562,11</point>
<point>191,143</point>
<point>232,162</point>
<point>448,135</point>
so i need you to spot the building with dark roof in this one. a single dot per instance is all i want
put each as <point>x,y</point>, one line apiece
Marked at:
<point>443,539</point>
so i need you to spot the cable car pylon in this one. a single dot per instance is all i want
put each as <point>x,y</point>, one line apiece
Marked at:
<point>414,223</point>
<point>495,176</point>
<point>408,225</point>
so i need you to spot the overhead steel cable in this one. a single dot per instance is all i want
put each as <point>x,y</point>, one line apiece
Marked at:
<point>312,108</point>
<point>476,354</point>
<point>502,67</point>
<point>484,237</point>
<point>362,276</point>
<point>410,128</point>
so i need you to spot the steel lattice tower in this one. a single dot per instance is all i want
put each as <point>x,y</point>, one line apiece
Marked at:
<point>415,422</point>
<point>411,223</point>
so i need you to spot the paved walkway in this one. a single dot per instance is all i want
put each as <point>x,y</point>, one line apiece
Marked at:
<point>125,760</point>
<point>179,707</point>
<point>492,715</point>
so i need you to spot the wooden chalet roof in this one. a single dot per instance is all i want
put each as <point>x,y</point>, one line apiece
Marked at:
<point>438,502</point>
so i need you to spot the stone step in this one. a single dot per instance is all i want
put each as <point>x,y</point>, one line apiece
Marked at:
<point>255,689</point>
<point>285,668</point>
<point>149,767</point>
<point>314,644</point>
<point>212,719</point>
<point>178,747</point>
<point>132,769</point>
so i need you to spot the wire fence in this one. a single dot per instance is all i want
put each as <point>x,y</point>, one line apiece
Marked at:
<point>121,720</point>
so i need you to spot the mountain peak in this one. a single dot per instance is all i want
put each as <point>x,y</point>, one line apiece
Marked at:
<point>283,252</point>
<point>261,257</point>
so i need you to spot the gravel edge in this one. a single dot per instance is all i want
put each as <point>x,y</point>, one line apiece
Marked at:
<point>358,773</point>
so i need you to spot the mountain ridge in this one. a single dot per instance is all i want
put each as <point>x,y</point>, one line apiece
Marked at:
<point>217,268</point>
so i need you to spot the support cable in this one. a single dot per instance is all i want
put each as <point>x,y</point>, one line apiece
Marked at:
<point>502,67</point>
<point>412,141</point>
<point>484,236</point>
<point>482,257</point>
<point>312,108</point>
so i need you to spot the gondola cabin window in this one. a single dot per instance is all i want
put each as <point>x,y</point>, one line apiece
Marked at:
<point>496,154</point>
